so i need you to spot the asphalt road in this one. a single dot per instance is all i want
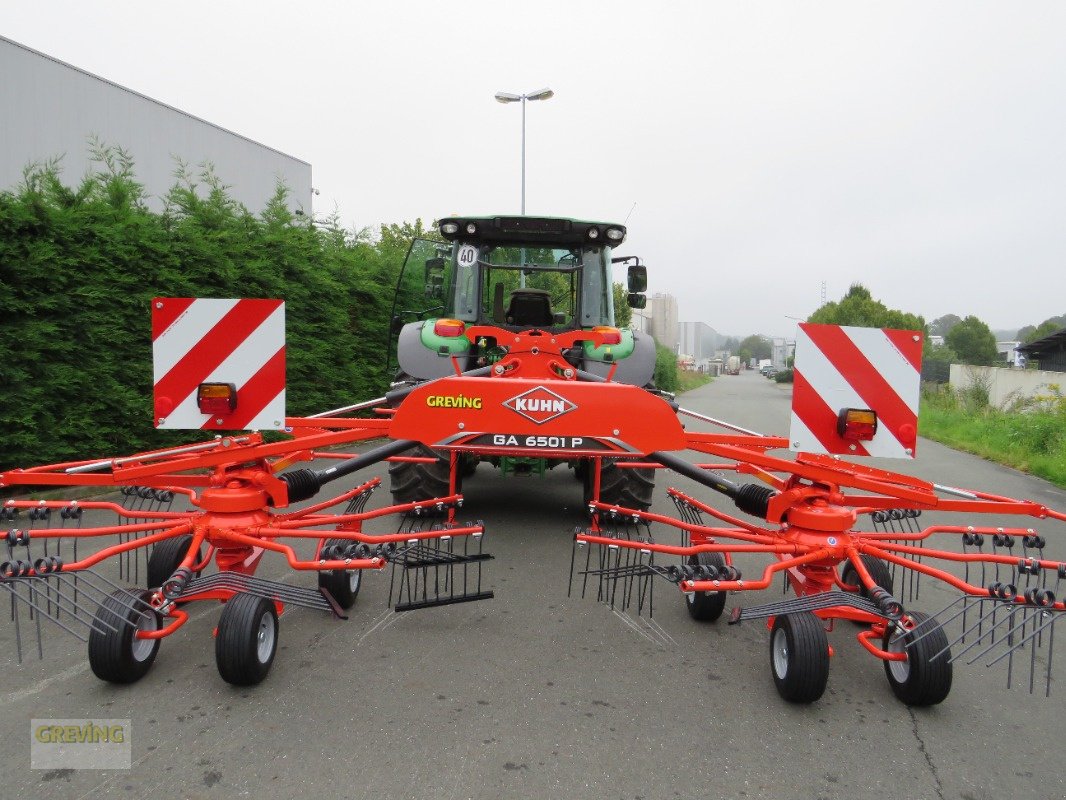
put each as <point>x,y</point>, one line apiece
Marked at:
<point>534,694</point>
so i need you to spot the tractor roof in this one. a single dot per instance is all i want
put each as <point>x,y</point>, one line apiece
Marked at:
<point>516,230</point>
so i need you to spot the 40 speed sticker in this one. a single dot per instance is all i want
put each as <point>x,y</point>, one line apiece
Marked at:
<point>538,442</point>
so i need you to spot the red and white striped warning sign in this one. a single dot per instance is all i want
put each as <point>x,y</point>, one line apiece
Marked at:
<point>241,343</point>
<point>840,368</point>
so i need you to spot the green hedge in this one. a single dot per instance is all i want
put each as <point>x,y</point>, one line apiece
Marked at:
<point>79,267</point>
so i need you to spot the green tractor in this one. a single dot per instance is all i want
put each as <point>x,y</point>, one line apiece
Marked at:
<point>516,274</point>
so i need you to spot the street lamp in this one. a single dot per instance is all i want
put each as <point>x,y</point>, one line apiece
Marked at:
<point>508,97</point>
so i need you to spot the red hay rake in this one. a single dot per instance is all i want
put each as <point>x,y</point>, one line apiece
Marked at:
<point>234,491</point>
<point>845,537</point>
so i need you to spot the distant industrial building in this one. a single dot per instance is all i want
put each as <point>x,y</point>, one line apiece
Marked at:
<point>664,326</point>
<point>51,109</point>
<point>781,350</point>
<point>697,339</point>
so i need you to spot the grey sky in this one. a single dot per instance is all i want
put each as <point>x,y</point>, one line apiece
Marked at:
<point>917,147</point>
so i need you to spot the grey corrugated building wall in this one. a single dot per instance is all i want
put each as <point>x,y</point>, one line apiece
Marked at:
<point>49,108</point>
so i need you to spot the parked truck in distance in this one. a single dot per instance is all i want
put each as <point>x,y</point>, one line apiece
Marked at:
<point>732,366</point>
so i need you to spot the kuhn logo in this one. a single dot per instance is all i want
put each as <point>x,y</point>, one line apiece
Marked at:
<point>540,405</point>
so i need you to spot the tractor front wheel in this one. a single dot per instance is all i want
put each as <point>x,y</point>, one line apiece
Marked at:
<point>247,639</point>
<point>412,482</point>
<point>924,679</point>
<point>627,487</point>
<point>799,657</point>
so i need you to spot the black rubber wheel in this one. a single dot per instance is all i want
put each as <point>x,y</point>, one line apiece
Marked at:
<point>411,482</point>
<point>342,584</point>
<point>878,570</point>
<point>167,556</point>
<point>622,486</point>
<point>921,680</point>
<point>706,606</point>
<point>118,656</point>
<point>799,657</point>
<point>247,639</point>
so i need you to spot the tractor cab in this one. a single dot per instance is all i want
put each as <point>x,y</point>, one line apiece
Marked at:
<point>516,274</point>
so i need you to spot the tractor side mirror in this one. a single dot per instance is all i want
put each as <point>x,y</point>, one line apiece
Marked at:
<point>638,279</point>
<point>434,277</point>
<point>558,318</point>
<point>637,300</point>
<point>396,325</point>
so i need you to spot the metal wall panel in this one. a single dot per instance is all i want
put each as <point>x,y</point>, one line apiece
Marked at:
<point>49,109</point>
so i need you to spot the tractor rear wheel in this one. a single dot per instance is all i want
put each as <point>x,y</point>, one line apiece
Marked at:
<point>411,482</point>
<point>799,657</point>
<point>706,606</point>
<point>921,680</point>
<point>628,487</point>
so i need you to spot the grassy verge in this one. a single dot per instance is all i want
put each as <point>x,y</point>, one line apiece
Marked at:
<point>691,380</point>
<point>1031,439</point>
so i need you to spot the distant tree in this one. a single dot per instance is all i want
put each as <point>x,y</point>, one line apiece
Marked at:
<point>1023,334</point>
<point>973,341</point>
<point>1046,328</point>
<point>755,346</point>
<point>941,352</point>
<point>941,326</point>
<point>730,343</point>
<point>859,308</point>
<point>623,314</point>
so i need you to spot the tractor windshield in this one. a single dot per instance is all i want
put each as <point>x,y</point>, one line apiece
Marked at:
<point>533,286</point>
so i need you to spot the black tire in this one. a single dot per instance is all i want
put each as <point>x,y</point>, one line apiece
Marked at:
<point>117,656</point>
<point>622,486</point>
<point>799,657</point>
<point>167,556</point>
<point>247,639</point>
<point>878,570</point>
<point>343,585</point>
<point>412,482</point>
<point>921,680</point>
<point>706,606</point>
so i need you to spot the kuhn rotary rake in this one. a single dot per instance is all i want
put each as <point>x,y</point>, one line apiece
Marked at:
<point>838,567</point>
<point>234,493</point>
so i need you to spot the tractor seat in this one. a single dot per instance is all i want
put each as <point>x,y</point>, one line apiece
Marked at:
<point>530,308</point>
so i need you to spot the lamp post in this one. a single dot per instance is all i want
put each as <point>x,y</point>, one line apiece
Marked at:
<point>508,97</point>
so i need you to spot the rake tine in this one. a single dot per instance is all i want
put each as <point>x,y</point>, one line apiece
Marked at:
<point>981,637</point>
<point>933,623</point>
<point>74,613</point>
<point>57,622</point>
<point>1010,640</point>
<point>1049,624</point>
<point>1050,653</point>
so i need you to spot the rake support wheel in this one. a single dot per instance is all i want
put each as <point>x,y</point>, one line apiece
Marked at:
<point>343,585</point>
<point>118,656</point>
<point>921,680</point>
<point>706,606</point>
<point>247,639</point>
<point>167,557</point>
<point>799,657</point>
